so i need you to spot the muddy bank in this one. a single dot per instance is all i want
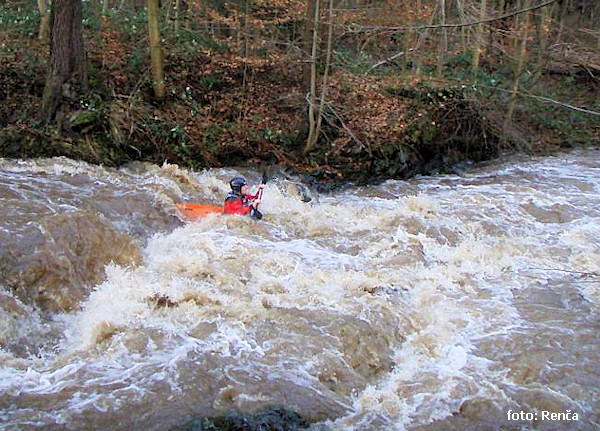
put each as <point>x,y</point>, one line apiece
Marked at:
<point>441,132</point>
<point>375,128</point>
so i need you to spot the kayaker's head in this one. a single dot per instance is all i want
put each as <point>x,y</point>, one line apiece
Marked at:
<point>239,185</point>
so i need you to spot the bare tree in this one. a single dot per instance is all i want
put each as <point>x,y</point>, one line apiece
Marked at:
<point>177,14</point>
<point>313,79</point>
<point>44,35</point>
<point>246,27</point>
<point>414,41</point>
<point>477,42</point>
<point>461,15</point>
<point>315,129</point>
<point>156,55</point>
<point>443,46</point>
<point>308,42</point>
<point>540,22</point>
<point>523,25</point>
<point>67,72</point>
<point>501,5</point>
<point>562,17</point>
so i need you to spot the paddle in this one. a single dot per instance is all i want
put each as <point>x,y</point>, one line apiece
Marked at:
<point>255,213</point>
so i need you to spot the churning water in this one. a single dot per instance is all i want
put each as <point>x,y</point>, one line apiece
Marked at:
<point>443,303</point>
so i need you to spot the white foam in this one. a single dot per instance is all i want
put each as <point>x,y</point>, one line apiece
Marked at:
<point>434,274</point>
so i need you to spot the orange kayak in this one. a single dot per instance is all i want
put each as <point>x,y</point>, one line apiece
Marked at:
<point>196,211</point>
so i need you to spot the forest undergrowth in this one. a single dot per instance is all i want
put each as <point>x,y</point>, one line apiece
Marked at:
<point>227,109</point>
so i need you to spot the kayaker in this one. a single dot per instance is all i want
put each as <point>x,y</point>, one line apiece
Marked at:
<point>239,201</point>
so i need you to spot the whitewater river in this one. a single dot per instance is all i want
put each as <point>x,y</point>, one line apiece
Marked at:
<point>447,303</point>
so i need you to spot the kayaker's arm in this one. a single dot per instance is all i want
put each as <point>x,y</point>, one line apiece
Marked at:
<point>258,193</point>
<point>239,201</point>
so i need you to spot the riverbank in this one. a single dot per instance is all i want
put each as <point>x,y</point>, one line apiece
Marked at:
<point>223,109</point>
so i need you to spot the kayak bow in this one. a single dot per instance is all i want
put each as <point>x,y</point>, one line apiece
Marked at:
<point>196,211</point>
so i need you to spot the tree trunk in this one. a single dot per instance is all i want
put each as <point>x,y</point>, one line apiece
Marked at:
<point>167,6</point>
<point>67,72</point>
<point>307,44</point>
<point>156,56</point>
<point>177,13</point>
<point>244,52</point>
<point>461,16</point>
<point>186,12</point>
<point>477,42</point>
<point>595,23</point>
<point>415,40</point>
<point>540,21</point>
<point>501,4</point>
<point>313,76</point>
<point>499,35</point>
<point>443,46</point>
<point>561,20</point>
<point>44,35</point>
<point>313,137</point>
<point>524,25</point>
<point>238,28</point>
<point>246,26</point>
<point>138,5</point>
<point>104,7</point>
<point>405,48</point>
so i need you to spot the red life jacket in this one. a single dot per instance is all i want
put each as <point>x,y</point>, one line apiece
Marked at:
<point>236,203</point>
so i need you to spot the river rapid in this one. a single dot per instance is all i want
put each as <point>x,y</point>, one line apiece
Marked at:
<point>442,303</point>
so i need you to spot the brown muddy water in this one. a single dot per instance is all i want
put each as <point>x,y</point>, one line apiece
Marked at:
<point>452,303</point>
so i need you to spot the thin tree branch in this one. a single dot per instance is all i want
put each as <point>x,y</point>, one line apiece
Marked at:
<point>387,60</point>
<point>352,135</point>
<point>541,98</point>
<point>565,105</point>
<point>359,29</point>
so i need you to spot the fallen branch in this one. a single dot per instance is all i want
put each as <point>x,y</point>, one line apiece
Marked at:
<point>387,60</point>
